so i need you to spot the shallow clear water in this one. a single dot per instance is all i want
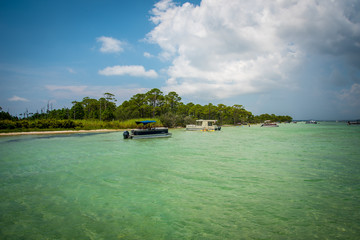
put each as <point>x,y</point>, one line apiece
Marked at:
<point>296,181</point>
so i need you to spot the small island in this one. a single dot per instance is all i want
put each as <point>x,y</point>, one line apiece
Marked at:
<point>103,114</point>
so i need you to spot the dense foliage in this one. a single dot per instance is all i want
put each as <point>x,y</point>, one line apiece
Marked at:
<point>39,124</point>
<point>154,104</point>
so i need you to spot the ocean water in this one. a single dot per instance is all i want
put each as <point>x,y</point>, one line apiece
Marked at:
<point>296,181</point>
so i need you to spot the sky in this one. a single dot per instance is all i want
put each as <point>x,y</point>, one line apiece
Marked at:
<point>287,57</point>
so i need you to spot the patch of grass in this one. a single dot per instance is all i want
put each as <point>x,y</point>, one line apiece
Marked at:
<point>96,124</point>
<point>53,125</point>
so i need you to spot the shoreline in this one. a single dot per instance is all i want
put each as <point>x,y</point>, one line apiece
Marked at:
<point>76,131</point>
<point>59,132</point>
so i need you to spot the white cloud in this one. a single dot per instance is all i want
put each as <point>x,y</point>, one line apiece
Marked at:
<point>225,48</point>
<point>79,92</point>
<point>68,92</point>
<point>66,88</point>
<point>18,99</point>
<point>110,45</point>
<point>351,96</point>
<point>148,55</point>
<point>135,70</point>
<point>70,70</point>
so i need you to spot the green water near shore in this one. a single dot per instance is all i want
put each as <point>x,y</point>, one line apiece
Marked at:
<point>296,181</point>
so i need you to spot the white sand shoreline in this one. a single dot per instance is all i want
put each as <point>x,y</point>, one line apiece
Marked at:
<point>59,132</point>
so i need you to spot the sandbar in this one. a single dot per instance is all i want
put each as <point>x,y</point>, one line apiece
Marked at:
<point>59,132</point>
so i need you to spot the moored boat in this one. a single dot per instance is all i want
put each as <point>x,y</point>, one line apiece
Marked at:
<point>146,131</point>
<point>203,125</point>
<point>357,122</point>
<point>268,123</point>
<point>311,122</point>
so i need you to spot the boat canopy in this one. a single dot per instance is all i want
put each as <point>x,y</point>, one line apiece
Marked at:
<point>201,120</point>
<point>145,122</point>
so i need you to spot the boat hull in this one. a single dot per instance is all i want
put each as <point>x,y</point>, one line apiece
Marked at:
<point>269,125</point>
<point>161,135</point>
<point>147,133</point>
<point>200,128</point>
<point>194,128</point>
<point>203,125</point>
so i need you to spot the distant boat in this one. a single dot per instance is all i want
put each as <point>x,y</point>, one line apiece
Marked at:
<point>147,131</point>
<point>311,122</point>
<point>268,123</point>
<point>357,122</point>
<point>203,125</point>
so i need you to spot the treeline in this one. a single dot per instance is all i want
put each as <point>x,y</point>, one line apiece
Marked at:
<point>154,104</point>
<point>54,124</point>
<point>40,124</point>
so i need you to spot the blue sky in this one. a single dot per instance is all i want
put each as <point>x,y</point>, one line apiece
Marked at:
<point>298,58</point>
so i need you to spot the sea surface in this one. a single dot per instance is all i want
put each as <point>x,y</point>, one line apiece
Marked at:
<point>297,181</point>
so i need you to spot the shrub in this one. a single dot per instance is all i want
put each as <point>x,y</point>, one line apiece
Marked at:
<point>189,120</point>
<point>168,119</point>
<point>7,124</point>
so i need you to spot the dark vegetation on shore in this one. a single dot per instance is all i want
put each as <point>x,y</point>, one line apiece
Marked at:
<point>168,110</point>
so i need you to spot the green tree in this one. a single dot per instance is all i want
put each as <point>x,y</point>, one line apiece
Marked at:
<point>208,111</point>
<point>236,111</point>
<point>110,97</point>
<point>195,111</point>
<point>172,101</point>
<point>5,116</point>
<point>108,114</point>
<point>77,110</point>
<point>108,107</point>
<point>169,119</point>
<point>124,111</point>
<point>139,104</point>
<point>221,111</point>
<point>91,108</point>
<point>155,99</point>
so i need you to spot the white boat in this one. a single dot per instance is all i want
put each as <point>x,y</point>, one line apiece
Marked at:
<point>311,122</point>
<point>357,122</point>
<point>147,131</point>
<point>203,125</point>
<point>268,123</point>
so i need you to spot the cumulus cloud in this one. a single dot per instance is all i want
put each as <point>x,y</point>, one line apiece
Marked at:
<point>225,48</point>
<point>18,99</point>
<point>351,96</point>
<point>65,88</point>
<point>134,70</point>
<point>147,55</point>
<point>110,45</point>
<point>78,92</point>
<point>68,92</point>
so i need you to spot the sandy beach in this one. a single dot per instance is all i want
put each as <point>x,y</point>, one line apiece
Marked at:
<point>59,132</point>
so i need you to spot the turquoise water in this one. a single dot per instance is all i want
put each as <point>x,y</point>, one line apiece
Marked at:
<point>296,181</point>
